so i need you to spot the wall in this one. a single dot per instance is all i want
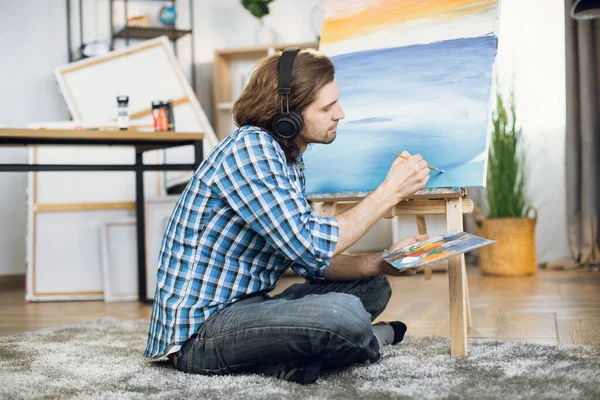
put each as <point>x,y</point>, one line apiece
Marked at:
<point>33,41</point>
<point>531,56</point>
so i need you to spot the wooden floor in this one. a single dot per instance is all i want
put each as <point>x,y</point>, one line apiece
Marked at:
<point>551,307</point>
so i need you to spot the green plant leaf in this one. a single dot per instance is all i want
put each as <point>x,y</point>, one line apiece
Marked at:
<point>506,191</point>
<point>258,8</point>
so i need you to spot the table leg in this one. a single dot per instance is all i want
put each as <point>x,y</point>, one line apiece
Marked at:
<point>140,224</point>
<point>198,153</point>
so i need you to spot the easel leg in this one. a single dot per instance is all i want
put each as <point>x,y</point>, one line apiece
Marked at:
<point>421,225</point>
<point>457,284</point>
<point>468,305</point>
<point>422,229</point>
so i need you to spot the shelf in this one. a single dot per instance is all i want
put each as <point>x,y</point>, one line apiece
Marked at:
<point>227,79</point>
<point>261,50</point>
<point>225,106</point>
<point>136,32</point>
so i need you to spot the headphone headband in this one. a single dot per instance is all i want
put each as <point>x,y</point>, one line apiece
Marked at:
<point>286,65</point>
<point>287,124</point>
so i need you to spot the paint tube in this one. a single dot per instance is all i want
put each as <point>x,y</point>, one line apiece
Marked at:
<point>123,112</point>
<point>160,116</point>
<point>171,116</point>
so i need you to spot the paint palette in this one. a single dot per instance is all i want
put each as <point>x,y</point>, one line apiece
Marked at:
<point>434,250</point>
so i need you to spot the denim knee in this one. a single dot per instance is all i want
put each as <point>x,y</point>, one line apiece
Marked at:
<point>345,315</point>
<point>380,286</point>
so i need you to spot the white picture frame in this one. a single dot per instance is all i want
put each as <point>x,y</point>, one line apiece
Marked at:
<point>158,213</point>
<point>119,251</point>
<point>119,260</point>
<point>64,260</point>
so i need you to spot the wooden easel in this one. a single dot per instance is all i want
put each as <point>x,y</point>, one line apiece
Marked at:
<point>454,204</point>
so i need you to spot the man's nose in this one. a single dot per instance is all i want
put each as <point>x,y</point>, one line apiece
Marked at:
<point>339,114</point>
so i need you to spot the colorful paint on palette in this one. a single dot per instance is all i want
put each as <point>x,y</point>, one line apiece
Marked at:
<point>434,250</point>
<point>414,75</point>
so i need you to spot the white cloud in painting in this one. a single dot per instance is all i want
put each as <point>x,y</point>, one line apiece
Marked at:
<point>418,32</point>
<point>405,114</point>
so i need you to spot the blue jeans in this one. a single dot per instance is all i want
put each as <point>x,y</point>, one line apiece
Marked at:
<point>329,321</point>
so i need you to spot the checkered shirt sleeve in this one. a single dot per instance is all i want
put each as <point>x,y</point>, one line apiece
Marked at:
<point>255,181</point>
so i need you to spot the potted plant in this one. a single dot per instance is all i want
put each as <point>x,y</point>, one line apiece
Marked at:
<point>507,218</point>
<point>260,8</point>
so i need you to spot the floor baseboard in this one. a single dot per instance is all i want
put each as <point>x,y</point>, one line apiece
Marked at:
<point>12,282</point>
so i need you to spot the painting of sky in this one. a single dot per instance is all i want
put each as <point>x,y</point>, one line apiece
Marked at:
<point>414,75</point>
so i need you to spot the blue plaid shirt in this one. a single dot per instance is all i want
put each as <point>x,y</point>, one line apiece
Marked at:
<point>240,223</point>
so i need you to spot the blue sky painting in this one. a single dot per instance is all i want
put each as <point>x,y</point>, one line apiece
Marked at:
<point>430,95</point>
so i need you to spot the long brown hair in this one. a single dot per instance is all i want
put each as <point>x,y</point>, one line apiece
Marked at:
<point>260,101</point>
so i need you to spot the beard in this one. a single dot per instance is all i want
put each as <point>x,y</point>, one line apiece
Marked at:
<point>312,134</point>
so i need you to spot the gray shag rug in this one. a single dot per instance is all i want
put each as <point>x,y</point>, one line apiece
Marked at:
<point>102,360</point>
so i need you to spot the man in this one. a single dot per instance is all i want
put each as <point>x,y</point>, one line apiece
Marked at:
<point>244,219</point>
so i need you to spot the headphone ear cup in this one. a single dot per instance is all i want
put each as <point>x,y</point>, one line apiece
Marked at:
<point>287,126</point>
<point>299,122</point>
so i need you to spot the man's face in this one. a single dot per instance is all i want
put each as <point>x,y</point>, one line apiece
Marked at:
<point>321,117</point>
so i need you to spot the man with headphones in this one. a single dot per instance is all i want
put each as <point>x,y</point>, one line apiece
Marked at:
<point>244,219</point>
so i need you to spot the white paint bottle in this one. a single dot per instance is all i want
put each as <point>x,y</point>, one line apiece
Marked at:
<point>123,112</point>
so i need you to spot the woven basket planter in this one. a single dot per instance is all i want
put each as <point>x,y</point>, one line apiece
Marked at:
<point>514,253</point>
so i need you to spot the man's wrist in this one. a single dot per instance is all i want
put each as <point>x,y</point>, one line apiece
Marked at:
<point>381,267</point>
<point>386,197</point>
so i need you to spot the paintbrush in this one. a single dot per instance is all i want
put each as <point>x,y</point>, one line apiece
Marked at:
<point>428,166</point>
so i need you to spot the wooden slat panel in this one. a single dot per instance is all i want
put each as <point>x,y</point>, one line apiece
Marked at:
<point>124,205</point>
<point>413,207</point>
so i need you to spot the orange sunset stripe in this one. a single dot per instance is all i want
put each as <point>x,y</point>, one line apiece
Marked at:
<point>384,14</point>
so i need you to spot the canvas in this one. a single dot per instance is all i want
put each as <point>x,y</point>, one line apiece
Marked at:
<point>414,75</point>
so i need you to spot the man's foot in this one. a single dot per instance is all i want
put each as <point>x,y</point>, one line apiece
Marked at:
<point>296,371</point>
<point>399,330</point>
<point>389,332</point>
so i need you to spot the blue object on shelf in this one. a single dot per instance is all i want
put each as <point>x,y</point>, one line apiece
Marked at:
<point>168,15</point>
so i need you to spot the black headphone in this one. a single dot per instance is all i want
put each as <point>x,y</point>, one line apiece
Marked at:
<point>287,124</point>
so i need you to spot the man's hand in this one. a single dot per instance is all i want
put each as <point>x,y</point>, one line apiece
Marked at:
<point>405,177</point>
<point>408,241</point>
<point>389,270</point>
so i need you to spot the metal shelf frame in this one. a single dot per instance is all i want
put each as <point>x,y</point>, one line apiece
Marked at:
<point>127,32</point>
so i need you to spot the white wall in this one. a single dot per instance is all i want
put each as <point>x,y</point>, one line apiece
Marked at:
<point>33,41</point>
<point>531,55</point>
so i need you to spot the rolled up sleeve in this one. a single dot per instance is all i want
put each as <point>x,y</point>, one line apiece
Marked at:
<point>254,181</point>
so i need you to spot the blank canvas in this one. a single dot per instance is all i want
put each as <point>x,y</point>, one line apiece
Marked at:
<point>146,72</point>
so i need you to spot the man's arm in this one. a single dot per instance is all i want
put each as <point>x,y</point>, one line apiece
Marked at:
<point>354,223</point>
<point>346,267</point>
<point>404,178</point>
<point>349,267</point>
